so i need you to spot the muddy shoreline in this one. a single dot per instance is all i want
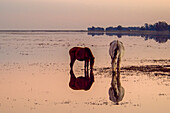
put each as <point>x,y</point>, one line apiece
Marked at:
<point>156,69</point>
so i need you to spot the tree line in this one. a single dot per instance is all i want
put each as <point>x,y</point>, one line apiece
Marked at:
<point>159,26</point>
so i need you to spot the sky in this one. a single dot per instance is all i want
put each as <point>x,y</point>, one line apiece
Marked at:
<point>80,14</point>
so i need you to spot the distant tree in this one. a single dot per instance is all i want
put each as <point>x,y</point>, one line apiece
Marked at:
<point>142,28</point>
<point>91,28</point>
<point>119,35</point>
<point>161,26</point>
<point>99,29</point>
<point>95,29</point>
<point>146,26</point>
<point>134,28</point>
<point>119,27</point>
<point>151,27</point>
<point>110,29</point>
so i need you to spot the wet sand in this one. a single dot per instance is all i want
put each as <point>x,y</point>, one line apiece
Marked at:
<point>34,74</point>
<point>156,69</point>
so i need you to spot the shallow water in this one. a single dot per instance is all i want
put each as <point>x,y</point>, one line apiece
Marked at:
<point>34,74</point>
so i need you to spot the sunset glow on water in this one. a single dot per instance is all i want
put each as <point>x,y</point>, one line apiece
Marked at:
<point>35,74</point>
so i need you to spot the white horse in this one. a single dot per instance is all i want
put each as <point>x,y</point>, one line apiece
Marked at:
<point>116,51</point>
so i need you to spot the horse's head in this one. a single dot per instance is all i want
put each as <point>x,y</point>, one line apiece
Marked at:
<point>91,63</point>
<point>91,76</point>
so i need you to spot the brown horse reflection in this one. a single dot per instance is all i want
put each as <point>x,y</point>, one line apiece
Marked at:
<point>82,82</point>
<point>81,54</point>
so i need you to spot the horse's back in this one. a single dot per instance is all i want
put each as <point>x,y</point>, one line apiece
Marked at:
<point>73,50</point>
<point>80,53</point>
<point>121,48</point>
<point>113,46</point>
<point>116,47</point>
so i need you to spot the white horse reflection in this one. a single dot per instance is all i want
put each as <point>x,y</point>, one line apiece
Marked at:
<point>116,91</point>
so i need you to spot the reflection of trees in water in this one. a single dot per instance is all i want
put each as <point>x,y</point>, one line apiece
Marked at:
<point>157,38</point>
<point>94,34</point>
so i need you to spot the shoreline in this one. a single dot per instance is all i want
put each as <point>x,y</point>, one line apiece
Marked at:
<point>145,32</point>
<point>116,31</point>
<point>43,30</point>
<point>157,34</point>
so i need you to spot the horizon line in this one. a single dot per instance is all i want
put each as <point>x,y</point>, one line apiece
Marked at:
<point>44,30</point>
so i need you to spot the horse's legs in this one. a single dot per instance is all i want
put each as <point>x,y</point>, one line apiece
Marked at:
<point>72,62</point>
<point>114,75</point>
<point>114,64</point>
<point>72,79</point>
<point>86,73</point>
<point>72,74</point>
<point>86,65</point>
<point>91,75</point>
<point>118,69</point>
<point>114,84</point>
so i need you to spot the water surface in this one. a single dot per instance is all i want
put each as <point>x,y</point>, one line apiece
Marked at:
<point>35,74</point>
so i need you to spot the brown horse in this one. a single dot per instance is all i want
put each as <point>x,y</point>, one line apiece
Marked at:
<point>81,54</point>
<point>82,82</point>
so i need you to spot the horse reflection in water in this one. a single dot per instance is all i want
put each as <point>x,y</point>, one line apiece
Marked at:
<point>116,91</point>
<point>81,54</point>
<point>81,82</point>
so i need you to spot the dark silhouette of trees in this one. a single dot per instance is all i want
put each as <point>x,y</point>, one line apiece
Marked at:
<point>146,26</point>
<point>159,26</point>
<point>151,27</point>
<point>96,29</point>
<point>142,28</point>
<point>119,27</point>
<point>111,29</point>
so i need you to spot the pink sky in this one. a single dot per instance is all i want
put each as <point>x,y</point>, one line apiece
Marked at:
<point>80,14</point>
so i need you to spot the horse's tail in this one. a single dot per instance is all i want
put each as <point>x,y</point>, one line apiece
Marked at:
<point>116,50</point>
